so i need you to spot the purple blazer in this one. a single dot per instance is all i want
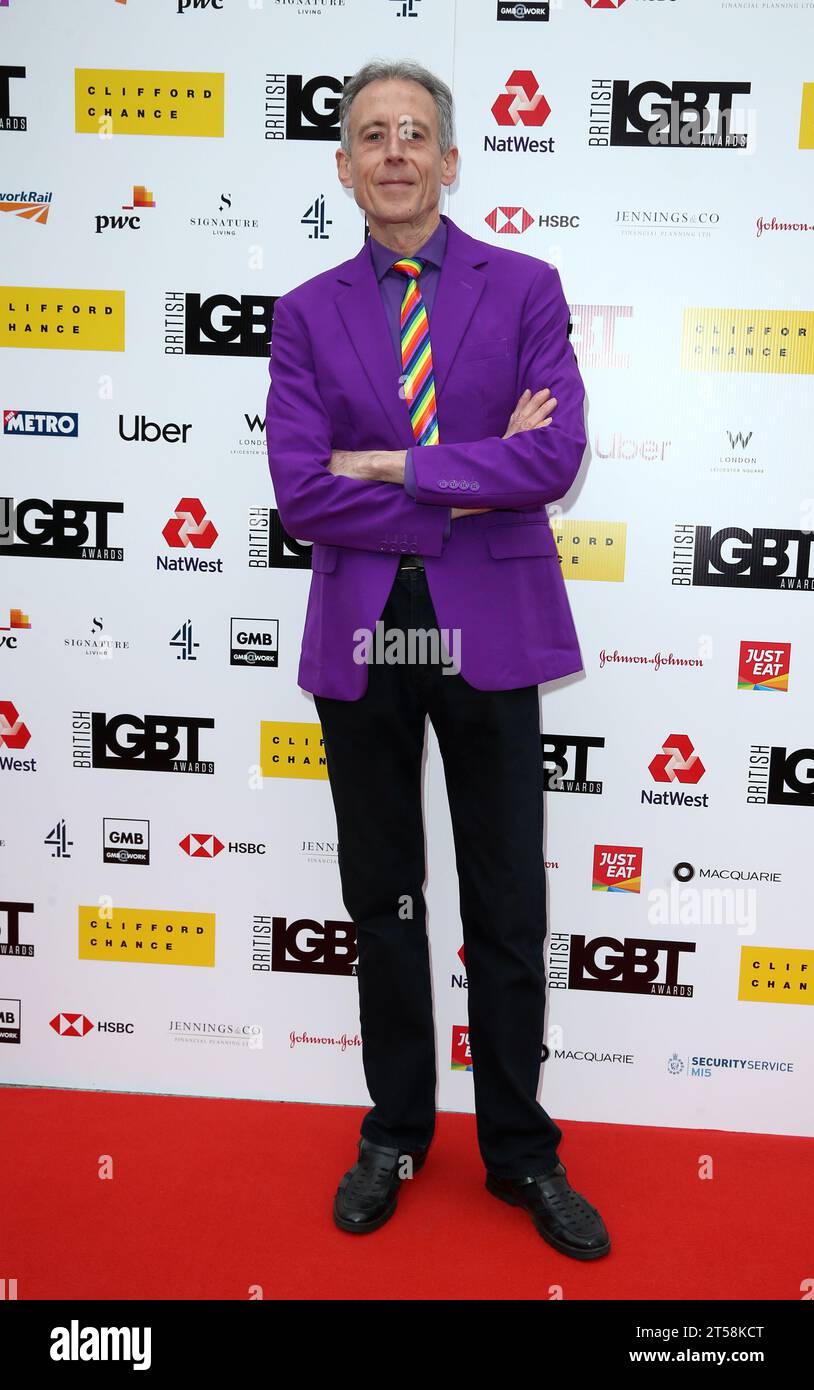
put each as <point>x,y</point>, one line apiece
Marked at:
<point>499,325</point>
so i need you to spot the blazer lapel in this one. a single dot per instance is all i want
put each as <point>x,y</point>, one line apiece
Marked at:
<point>460,287</point>
<point>362,311</point>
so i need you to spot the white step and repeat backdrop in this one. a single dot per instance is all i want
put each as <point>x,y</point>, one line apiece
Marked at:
<point>171,916</point>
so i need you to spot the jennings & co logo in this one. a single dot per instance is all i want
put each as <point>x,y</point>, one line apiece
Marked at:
<point>135,935</point>
<point>766,557</point>
<point>32,316</point>
<point>634,965</point>
<point>148,743</point>
<point>748,340</point>
<point>122,101</point>
<point>775,975</point>
<point>292,750</point>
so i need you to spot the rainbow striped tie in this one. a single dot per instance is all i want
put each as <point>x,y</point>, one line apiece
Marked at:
<point>416,355</point>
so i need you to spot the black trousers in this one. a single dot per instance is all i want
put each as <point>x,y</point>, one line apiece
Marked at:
<point>492,757</point>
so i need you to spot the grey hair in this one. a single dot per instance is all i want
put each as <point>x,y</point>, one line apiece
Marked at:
<point>401,71</point>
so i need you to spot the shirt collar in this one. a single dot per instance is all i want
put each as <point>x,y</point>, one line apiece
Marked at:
<point>432,251</point>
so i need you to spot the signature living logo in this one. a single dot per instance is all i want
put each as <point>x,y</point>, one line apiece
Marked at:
<point>64,529</point>
<point>10,943</point>
<point>636,965</point>
<point>776,975</point>
<point>148,743</point>
<point>778,776</point>
<point>591,549</point>
<point>617,869</point>
<point>748,340</point>
<point>270,545</point>
<point>34,316</point>
<point>304,946</point>
<point>764,667</point>
<point>136,935</point>
<point>292,749</point>
<point>9,122</point>
<point>565,763</point>
<point>220,325</point>
<point>679,114</point>
<point>300,108</point>
<point>122,101</point>
<point>731,557</point>
<point>30,206</point>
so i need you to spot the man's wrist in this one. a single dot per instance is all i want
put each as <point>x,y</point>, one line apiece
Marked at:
<point>387,465</point>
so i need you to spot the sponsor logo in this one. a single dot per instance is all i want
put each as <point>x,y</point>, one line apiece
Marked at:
<point>565,763</point>
<point>764,667</point>
<point>292,749</point>
<point>36,316</point>
<point>139,743</point>
<point>732,557</point>
<point>55,424</point>
<point>775,975</point>
<point>591,549</point>
<point>748,340</point>
<point>121,101</point>
<point>31,207</point>
<point>635,965</point>
<point>777,777</point>
<point>135,935</point>
<point>696,114</point>
<point>617,869</point>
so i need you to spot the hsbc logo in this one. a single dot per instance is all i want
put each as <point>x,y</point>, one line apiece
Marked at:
<point>513,221</point>
<point>71,1025</point>
<point>201,846</point>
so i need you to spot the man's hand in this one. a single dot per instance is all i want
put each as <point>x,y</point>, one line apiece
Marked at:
<point>532,412</point>
<point>372,465</point>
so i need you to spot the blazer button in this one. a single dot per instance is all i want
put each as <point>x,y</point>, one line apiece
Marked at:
<point>442,482</point>
<point>475,487</point>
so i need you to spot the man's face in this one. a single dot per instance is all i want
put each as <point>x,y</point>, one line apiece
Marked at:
<point>396,168</point>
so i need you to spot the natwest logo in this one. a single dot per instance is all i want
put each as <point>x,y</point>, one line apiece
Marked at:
<point>677,761</point>
<point>522,102</point>
<point>190,526</point>
<point>13,732</point>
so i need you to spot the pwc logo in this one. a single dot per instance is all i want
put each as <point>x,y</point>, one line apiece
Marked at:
<point>71,1025</point>
<point>509,220</point>
<point>190,526</point>
<point>523,101</point>
<point>13,732</point>
<point>201,846</point>
<point>677,761</point>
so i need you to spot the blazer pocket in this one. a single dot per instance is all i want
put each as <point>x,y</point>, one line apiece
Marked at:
<point>478,352</point>
<point>508,539</point>
<point>323,558</point>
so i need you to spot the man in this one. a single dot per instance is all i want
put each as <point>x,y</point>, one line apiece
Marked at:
<point>393,378</point>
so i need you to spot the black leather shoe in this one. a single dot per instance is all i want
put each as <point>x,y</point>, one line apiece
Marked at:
<point>369,1191</point>
<point>563,1217</point>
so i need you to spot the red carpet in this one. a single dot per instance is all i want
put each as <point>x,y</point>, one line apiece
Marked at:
<point>212,1197</point>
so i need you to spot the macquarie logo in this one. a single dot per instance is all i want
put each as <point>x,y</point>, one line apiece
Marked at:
<point>270,545</point>
<point>592,549</point>
<point>218,325</point>
<point>565,763</point>
<point>10,943</point>
<point>33,316</point>
<point>748,340</point>
<point>776,975</point>
<point>254,642</point>
<point>306,946</point>
<point>764,666</point>
<point>51,424</point>
<point>64,529</point>
<point>617,869</point>
<point>780,777</point>
<point>732,557</point>
<point>135,935</point>
<point>140,743</point>
<point>667,115</point>
<point>292,750</point>
<point>125,841</point>
<point>122,101</point>
<point>521,104</point>
<point>636,965</point>
<point>302,108</point>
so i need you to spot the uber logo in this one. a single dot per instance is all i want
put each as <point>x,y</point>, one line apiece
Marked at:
<point>125,841</point>
<point>254,642</point>
<point>311,948</point>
